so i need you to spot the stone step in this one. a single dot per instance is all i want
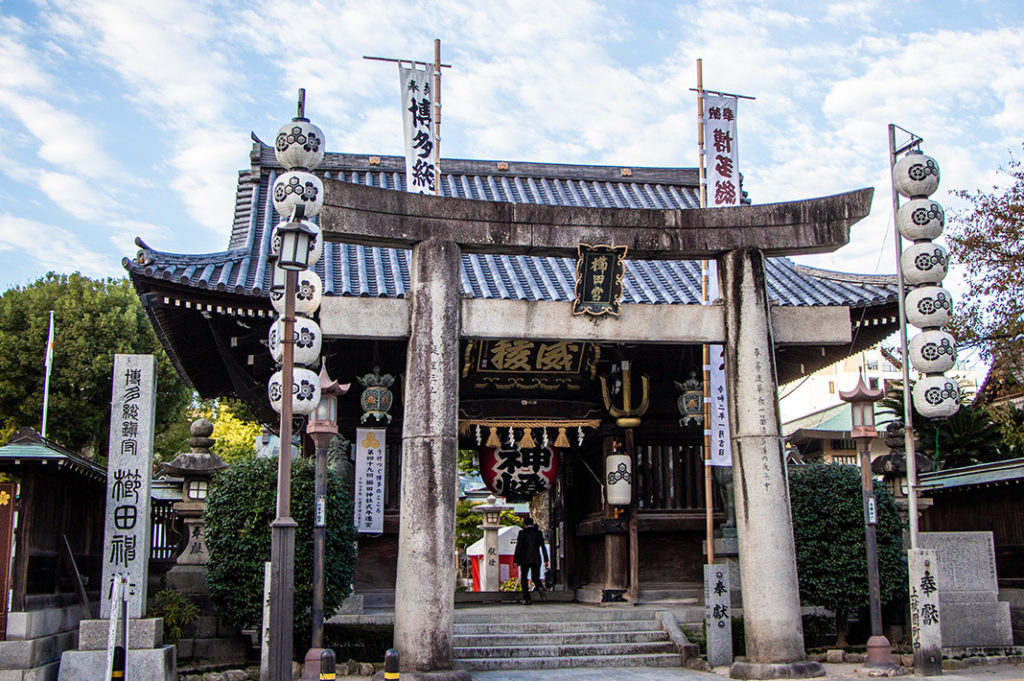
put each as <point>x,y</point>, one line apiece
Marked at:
<point>683,596</point>
<point>588,650</point>
<point>499,663</point>
<point>46,672</point>
<point>36,652</point>
<point>555,627</point>
<point>541,613</point>
<point>530,640</point>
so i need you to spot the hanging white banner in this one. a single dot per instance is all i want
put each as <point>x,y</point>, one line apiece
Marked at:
<point>721,152</point>
<point>369,482</point>
<point>721,447</point>
<point>418,126</point>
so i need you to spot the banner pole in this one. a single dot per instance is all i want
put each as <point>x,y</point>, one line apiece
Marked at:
<point>706,351</point>
<point>46,380</point>
<point>437,115</point>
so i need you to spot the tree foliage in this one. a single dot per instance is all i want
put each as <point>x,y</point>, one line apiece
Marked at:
<point>987,239</point>
<point>94,319</point>
<point>828,528</point>
<point>241,504</point>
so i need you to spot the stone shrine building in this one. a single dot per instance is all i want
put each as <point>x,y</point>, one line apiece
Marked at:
<point>468,300</point>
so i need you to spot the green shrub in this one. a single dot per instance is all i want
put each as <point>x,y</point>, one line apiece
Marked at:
<point>828,528</point>
<point>178,612</point>
<point>240,508</point>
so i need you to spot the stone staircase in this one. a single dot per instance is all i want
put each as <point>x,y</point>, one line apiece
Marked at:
<point>552,636</point>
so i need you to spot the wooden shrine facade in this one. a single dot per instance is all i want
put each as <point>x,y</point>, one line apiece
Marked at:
<point>413,282</point>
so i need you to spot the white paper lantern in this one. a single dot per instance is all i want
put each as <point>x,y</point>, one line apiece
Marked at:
<point>316,246</point>
<point>307,336</point>
<point>299,144</point>
<point>929,307</point>
<point>309,292</point>
<point>932,352</point>
<point>916,175</point>
<point>936,397</point>
<point>920,219</point>
<point>298,188</point>
<point>924,263</point>
<point>618,475</point>
<point>305,391</point>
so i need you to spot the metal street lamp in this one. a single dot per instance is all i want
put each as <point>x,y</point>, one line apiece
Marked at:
<point>862,406</point>
<point>322,427</point>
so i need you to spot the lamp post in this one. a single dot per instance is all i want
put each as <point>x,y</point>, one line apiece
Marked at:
<point>490,576</point>
<point>322,426</point>
<point>298,197</point>
<point>862,404</point>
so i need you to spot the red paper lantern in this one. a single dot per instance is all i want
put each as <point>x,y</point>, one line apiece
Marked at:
<point>518,474</point>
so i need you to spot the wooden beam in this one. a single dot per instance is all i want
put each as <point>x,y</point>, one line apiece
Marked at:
<point>361,214</point>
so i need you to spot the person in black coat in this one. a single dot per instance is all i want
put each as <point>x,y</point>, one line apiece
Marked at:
<point>528,557</point>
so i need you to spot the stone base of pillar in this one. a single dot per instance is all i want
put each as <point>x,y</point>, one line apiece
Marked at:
<point>311,665</point>
<point>449,675</point>
<point>775,670</point>
<point>880,653</point>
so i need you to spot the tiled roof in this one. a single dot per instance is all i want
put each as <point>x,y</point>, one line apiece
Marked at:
<point>351,270</point>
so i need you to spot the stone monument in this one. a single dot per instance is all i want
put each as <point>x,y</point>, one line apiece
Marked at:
<point>971,614</point>
<point>127,534</point>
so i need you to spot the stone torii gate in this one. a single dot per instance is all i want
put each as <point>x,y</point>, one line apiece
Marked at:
<point>434,318</point>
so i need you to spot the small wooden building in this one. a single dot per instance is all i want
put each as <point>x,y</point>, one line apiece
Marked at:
<point>60,499</point>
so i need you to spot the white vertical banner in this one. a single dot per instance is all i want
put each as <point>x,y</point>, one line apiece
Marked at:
<point>419,131</point>
<point>369,482</point>
<point>721,444</point>
<point>129,476</point>
<point>721,152</point>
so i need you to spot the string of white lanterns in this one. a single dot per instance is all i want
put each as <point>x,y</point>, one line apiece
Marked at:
<point>296,244</point>
<point>924,265</point>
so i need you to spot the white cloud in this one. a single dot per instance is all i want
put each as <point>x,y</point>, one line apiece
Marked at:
<point>52,247</point>
<point>178,68</point>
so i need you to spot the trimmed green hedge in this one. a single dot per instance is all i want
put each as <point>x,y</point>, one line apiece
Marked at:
<point>241,505</point>
<point>828,528</point>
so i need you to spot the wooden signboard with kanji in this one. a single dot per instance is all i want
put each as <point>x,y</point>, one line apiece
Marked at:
<point>7,490</point>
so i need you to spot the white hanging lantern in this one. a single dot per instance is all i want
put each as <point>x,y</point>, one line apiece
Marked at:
<point>309,292</point>
<point>316,244</point>
<point>916,175</point>
<point>299,144</point>
<point>932,352</point>
<point>920,219</point>
<point>298,188</point>
<point>936,397</point>
<point>924,263</point>
<point>619,479</point>
<point>305,391</point>
<point>307,336</point>
<point>929,307</point>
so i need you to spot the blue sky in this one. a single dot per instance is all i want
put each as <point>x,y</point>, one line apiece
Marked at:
<point>123,118</point>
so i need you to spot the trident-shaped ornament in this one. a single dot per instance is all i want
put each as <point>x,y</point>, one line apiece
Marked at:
<point>628,416</point>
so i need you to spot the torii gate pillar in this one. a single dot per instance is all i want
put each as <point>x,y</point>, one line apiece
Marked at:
<point>771,594</point>
<point>424,601</point>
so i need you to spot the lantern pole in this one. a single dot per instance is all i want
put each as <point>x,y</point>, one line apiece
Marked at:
<point>908,407</point>
<point>282,530</point>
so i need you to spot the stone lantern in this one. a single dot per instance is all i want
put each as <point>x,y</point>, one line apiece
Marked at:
<point>490,577</point>
<point>196,468</point>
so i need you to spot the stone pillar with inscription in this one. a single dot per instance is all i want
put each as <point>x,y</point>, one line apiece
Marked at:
<point>425,583</point>
<point>925,623</point>
<point>771,594</point>
<point>126,539</point>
